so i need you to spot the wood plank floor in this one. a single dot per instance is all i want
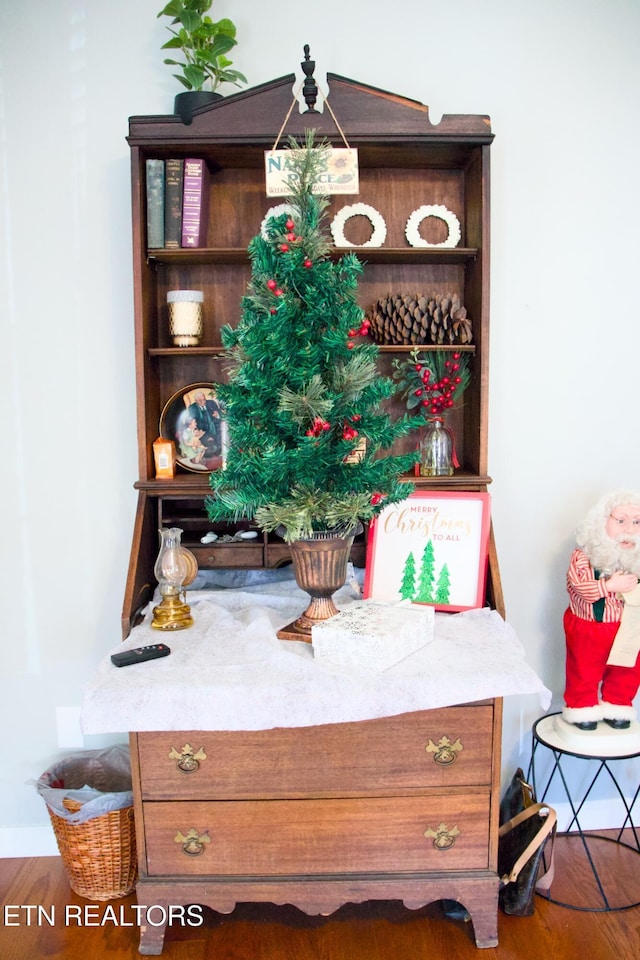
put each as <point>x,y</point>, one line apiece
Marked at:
<point>370,931</point>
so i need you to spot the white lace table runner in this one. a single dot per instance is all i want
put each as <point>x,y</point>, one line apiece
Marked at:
<point>230,672</point>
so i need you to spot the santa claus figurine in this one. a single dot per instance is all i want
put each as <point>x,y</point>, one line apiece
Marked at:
<point>602,622</point>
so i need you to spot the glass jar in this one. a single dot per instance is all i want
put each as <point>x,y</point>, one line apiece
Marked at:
<point>436,450</point>
<point>185,308</point>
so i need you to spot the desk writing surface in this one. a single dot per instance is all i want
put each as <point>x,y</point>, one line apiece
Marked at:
<point>230,672</point>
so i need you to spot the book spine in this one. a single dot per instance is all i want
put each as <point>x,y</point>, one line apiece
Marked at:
<point>155,203</point>
<point>173,189</point>
<point>195,203</point>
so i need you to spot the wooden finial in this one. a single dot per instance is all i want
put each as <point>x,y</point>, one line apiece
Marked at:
<point>309,89</point>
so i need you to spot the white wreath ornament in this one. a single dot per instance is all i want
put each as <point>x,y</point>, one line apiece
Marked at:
<point>276,211</point>
<point>433,210</point>
<point>378,236</point>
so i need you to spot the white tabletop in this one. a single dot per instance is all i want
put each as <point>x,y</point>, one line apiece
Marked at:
<point>603,743</point>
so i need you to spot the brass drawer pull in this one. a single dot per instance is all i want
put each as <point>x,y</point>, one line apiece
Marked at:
<point>187,759</point>
<point>443,837</point>
<point>192,842</point>
<point>444,751</point>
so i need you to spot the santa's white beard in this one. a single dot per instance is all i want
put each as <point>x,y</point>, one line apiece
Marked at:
<point>608,556</point>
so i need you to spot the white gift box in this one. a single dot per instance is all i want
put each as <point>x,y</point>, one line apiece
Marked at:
<point>373,635</point>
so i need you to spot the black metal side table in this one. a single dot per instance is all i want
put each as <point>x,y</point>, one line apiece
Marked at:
<point>601,752</point>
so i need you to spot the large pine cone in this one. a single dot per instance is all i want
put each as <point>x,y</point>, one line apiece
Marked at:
<point>415,319</point>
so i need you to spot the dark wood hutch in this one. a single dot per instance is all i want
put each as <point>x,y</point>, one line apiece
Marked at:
<point>405,162</point>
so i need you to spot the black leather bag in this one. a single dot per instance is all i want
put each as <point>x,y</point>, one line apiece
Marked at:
<point>518,795</point>
<point>521,846</point>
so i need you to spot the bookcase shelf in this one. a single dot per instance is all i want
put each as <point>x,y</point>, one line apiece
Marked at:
<point>214,352</point>
<point>232,255</point>
<point>197,485</point>
<point>219,353</point>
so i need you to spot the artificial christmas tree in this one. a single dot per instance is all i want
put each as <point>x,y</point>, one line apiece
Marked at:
<point>308,439</point>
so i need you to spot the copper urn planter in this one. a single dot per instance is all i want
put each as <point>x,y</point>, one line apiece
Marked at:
<point>320,567</point>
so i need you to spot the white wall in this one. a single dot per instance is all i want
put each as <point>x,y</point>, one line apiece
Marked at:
<point>559,79</point>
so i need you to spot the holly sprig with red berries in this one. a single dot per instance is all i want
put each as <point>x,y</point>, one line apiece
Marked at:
<point>432,382</point>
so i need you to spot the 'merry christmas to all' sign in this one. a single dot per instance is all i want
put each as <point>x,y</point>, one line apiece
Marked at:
<point>430,548</point>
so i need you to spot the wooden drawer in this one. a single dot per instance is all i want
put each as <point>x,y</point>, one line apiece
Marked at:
<point>229,555</point>
<point>293,837</point>
<point>438,748</point>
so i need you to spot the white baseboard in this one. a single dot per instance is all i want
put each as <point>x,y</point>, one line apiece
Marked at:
<point>28,842</point>
<point>595,815</point>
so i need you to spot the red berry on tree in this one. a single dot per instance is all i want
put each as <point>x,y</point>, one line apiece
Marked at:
<point>308,263</point>
<point>350,345</point>
<point>289,224</point>
<point>284,247</point>
<point>272,284</point>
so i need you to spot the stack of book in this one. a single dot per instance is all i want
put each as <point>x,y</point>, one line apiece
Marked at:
<point>177,203</point>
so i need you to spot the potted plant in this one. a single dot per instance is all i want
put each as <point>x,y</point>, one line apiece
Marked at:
<point>204,44</point>
<point>309,440</point>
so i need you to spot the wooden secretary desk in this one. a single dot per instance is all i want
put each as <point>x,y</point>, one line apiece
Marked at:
<point>323,815</point>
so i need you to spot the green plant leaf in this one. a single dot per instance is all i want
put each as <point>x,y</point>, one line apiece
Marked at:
<point>219,46</point>
<point>195,75</point>
<point>226,26</point>
<point>190,20</point>
<point>172,9</point>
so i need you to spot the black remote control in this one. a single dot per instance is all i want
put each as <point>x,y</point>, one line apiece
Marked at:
<point>140,654</point>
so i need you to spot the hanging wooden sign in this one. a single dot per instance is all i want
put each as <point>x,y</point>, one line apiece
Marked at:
<point>340,175</point>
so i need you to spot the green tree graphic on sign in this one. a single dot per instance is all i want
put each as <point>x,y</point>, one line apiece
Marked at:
<point>408,584</point>
<point>427,577</point>
<point>442,588</point>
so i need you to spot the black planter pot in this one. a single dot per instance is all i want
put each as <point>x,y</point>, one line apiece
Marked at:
<point>188,101</point>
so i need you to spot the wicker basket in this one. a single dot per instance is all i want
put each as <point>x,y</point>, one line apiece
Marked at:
<point>99,854</point>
